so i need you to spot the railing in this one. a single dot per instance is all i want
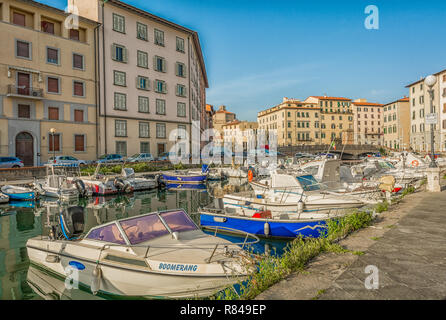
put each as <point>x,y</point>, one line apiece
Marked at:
<point>25,91</point>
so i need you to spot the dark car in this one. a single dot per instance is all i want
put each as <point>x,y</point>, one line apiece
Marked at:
<point>10,162</point>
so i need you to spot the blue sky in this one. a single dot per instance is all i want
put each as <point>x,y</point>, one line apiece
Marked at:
<point>258,52</point>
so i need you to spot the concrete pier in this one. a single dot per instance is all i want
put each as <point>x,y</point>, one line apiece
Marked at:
<point>403,256</point>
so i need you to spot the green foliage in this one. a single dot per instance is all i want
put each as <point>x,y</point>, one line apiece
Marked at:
<point>382,206</point>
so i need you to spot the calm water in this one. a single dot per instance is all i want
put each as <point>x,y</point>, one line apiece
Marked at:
<point>20,221</point>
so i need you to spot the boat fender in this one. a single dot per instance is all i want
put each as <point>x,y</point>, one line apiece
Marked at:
<point>128,187</point>
<point>96,280</point>
<point>266,229</point>
<point>300,207</point>
<point>119,184</point>
<point>80,186</point>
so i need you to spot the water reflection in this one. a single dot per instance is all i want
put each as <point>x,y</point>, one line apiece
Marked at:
<point>21,221</point>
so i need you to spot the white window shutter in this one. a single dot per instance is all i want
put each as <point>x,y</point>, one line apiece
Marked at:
<point>125,55</point>
<point>113,51</point>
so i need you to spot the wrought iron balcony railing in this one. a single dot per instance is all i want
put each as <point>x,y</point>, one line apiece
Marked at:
<point>25,91</point>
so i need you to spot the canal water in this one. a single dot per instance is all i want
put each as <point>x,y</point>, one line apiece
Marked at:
<point>20,221</point>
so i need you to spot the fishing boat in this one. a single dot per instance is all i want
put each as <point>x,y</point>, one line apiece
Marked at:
<point>138,183</point>
<point>186,176</point>
<point>18,193</point>
<point>3,198</point>
<point>154,255</point>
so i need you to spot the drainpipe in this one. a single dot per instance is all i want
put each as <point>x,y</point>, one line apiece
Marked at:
<point>97,96</point>
<point>190,105</point>
<point>104,81</point>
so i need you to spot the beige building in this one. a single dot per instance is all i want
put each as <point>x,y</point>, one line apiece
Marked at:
<point>420,132</point>
<point>240,131</point>
<point>220,118</point>
<point>295,122</point>
<point>367,122</point>
<point>152,78</point>
<point>396,124</point>
<point>47,81</point>
<point>336,114</point>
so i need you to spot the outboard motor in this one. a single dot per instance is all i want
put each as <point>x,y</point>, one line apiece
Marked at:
<point>119,184</point>
<point>80,186</point>
<point>72,222</point>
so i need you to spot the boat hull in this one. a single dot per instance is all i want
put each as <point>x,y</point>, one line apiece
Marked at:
<point>21,196</point>
<point>184,179</point>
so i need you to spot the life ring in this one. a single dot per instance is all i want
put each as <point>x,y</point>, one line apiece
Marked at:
<point>415,163</point>
<point>250,175</point>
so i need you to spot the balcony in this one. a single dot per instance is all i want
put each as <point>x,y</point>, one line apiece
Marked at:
<point>24,92</point>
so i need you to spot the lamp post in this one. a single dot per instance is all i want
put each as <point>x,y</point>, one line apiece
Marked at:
<point>430,81</point>
<point>53,131</point>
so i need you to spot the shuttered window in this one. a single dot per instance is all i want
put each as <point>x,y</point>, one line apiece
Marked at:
<point>118,23</point>
<point>53,85</point>
<point>78,61</point>
<point>142,83</point>
<point>119,78</point>
<point>119,53</point>
<point>120,128</point>
<point>120,101</point>
<point>18,19</point>
<point>181,109</point>
<point>121,148</point>
<point>180,69</point>
<point>144,147</point>
<point>52,55</point>
<point>160,130</point>
<point>160,106</point>
<point>144,130</point>
<point>180,44</point>
<point>143,104</point>
<point>54,142</point>
<point>160,64</point>
<point>78,88</point>
<point>143,59</point>
<point>79,142</point>
<point>74,34</point>
<point>47,27</point>
<point>24,111</point>
<point>23,49</point>
<point>141,31</point>
<point>160,86</point>
<point>181,90</point>
<point>53,113</point>
<point>159,37</point>
<point>79,115</point>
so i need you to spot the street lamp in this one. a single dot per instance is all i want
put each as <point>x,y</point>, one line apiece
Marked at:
<point>53,131</point>
<point>430,81</point>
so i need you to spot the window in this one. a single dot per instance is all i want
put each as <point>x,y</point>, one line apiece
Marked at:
<point>47,27</point>
<point>143,104</point>
<point>24,111</point>
<point>121,148</point>
<point>78,115</point>
<point>74,34</point>
<point>78,61</point>
<point>161,130</point>
<point>53,113</point>
<point>141,31</point>
<point>144,130</point>
<point>54,142</point>
<point>119,78</point>
<point>19,19</point>
<point>52,85</point>
<point>142,59</point>
<point>160,64</point>
<point>160,106</point>
<point>52,55</point>
<point>79,143</point>
<point>144,147</point>
<point>23,49</point>
<point>160,86</point>
<point>181,90</point>
<point>159,37</point>
<point>78,88</point>
<point>118,23</point>
<point>120,128</point>
<point>119,53</point>
<point>180,69</point>
<point>120,101</point>
<point>181,109</point>
<point>142,83</point>
<point>180,45</point>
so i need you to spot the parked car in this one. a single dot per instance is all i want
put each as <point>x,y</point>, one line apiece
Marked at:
<point>328,155</point>
<point>68,160</point>
<point>10,162</point>
<point>141,157</point>
<point>107,158</point>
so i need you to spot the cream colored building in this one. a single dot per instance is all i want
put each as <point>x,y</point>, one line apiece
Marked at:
<point>420,132</point>
<point>396,124</point>
<point>367,122</point>
<point>219,119</point>
<point>240,131</point>
<point>295,122</point>
<point>152,78</point>
<point>47,80</point>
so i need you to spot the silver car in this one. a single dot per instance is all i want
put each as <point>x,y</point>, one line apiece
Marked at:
<point>10,162</point>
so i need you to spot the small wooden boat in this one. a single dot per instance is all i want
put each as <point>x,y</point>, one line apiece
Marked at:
<point>18,193</point>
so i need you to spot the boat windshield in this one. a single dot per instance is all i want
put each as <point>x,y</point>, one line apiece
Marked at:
<point>178,221</point>
<point>308,183</point>
<point>145,228</point>
<point>386,165</point>
<point>108,233</point>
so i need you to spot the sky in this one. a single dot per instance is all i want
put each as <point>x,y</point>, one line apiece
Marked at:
<point>257,52</point>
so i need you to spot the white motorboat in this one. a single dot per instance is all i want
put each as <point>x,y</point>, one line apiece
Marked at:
<point>3,198</point>
<point>138,183</point>
<point>159,254</point>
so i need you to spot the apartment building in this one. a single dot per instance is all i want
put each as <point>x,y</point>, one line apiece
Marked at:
<point>367,122</point>
<point>336,119</point>
<point>47,81</point>
<point>219,119</point>
<point>396,124</point>
<point>152,79</point>
<point>240,132</point>
<point>420,132</point>
<point>296,122</point>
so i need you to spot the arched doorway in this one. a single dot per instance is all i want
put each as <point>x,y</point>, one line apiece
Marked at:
<point>24,148</point>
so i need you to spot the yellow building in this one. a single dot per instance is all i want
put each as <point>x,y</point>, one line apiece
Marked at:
<point>47,77</point>
<point>295,122</point>
<point>240,131</point>
<point>220,118</point>
<point>368,122</point>
<point>396,121</point>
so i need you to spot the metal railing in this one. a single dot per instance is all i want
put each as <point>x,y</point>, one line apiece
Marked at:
<point>25,91</point>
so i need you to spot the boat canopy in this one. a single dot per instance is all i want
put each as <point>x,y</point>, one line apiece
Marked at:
<point>284,181</point>
<point>136,230</point>
<point>308,182</point>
